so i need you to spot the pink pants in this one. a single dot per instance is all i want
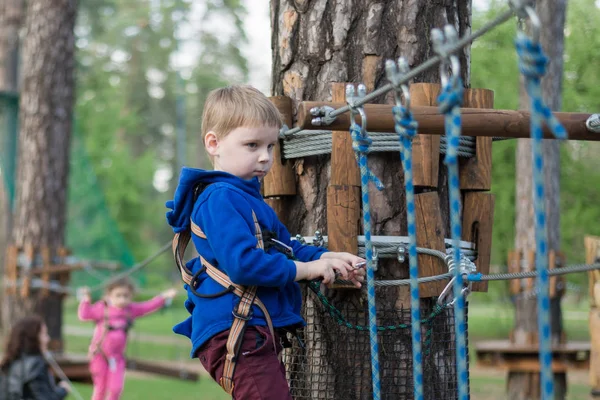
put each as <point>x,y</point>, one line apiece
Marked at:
<point>108,377</point>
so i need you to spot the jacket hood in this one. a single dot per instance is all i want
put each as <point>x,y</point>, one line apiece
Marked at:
<point>182,205</point>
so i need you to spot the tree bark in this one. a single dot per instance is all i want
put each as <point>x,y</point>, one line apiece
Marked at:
<point>523,386</point>
<point>46,110</point>
<point>11,16</point>
<point>315,44</point>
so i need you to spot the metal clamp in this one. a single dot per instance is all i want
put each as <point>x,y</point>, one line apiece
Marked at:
<point>442,42</point>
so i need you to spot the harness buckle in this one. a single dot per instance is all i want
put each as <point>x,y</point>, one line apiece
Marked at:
<point>243,318</point>
<point>284,248</point>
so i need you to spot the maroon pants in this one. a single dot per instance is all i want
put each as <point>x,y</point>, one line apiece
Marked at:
<point>259,375</point>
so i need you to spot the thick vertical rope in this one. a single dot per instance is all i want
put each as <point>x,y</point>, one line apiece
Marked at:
<point>360,144</point>
<point>532,64</point>
<point>450,101</point>
<point>406,127</point>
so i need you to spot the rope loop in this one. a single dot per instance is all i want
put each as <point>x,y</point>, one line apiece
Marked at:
<point>451,95</point>
<point>406,125</point>
<point>532,60</point>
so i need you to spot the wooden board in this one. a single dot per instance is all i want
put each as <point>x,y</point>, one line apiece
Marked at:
<point>514,266</point>
<point>45,270</point>
<point>26,272</point>
<point>344,169</point>
<point>525,358</point>
<point>162,370</point>
<point>476,172</point>
<point>595,348</point>
<point>478,220</point>
<point>430,234</point>
<point>280,206</point>
<point>426,148</point>
<point>281,180</point>
<point>592,255</point>
<point>343,222</point>
<point>11,269</point>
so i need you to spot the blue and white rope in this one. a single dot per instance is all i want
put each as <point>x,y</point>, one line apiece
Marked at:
<point>532,64</point>
<point>450,101</point>
<point>406,127</point>
<point>361,144</point>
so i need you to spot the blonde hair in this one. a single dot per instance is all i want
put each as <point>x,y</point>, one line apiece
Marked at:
<point>237,106</point>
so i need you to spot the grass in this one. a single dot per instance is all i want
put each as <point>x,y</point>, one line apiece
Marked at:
<point>161,388</point>
<point>486,321</point>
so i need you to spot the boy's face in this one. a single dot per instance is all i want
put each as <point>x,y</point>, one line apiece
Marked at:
<point>244,152</point>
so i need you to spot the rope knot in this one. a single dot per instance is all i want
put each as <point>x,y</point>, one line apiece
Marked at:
<point>406,125</point>
<point>360,145</point>
<point>532,61</point>
<point>452,95</point>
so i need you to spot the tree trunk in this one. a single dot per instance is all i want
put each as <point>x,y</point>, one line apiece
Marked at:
<point>11,15</point>
<point>46,111</point>
<point>523,386</point>
<point>315,44</point>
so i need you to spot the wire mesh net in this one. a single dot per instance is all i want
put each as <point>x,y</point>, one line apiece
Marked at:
<point>333,361</point>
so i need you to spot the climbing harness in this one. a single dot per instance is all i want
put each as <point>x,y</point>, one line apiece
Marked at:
<point>242,313</point>
<point>107,327</point>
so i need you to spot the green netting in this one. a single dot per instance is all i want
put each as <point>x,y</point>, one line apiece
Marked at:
<point>92,234</point>
<point>9,118</point>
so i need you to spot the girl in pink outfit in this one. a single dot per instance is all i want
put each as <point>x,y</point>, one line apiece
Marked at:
<point>114,316</point>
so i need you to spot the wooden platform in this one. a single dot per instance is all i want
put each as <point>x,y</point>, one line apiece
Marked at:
<point>504,354</point>
<point>76,368</point>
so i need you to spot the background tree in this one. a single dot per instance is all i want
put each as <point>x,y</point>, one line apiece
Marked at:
<point>11,16</point>
<point>523,385</point>
<point>46,109</point>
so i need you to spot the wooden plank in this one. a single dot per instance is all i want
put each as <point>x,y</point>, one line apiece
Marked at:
<point>26,271</point>
<point>12,253</point>
<point>280,180</point>
<point>530,267</point>
<point>163,370</point>
<point>592,255</point>
<point>430,234</point>
<point>478,220</point>
<point>426,148</point>
<point>343,222</point>
<point>476,172</point>
<point>595,348</point>
<point>514,266</point>
<point>475,121</point>
<point>45,270</point>
<point>344,169</point>
<point>343,192</point>
<point>279,205</point>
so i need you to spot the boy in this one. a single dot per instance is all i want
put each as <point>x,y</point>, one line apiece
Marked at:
<point>240,127</point>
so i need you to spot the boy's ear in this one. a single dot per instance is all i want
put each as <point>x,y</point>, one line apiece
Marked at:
<point>211,143</point>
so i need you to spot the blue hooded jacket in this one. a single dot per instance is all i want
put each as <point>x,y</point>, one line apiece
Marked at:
<point>224,213</point>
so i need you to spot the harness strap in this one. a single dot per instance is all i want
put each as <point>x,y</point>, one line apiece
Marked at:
<point>107,327</point>
<point>242,314</point>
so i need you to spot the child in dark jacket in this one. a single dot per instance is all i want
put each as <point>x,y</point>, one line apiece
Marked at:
<point>26,375</point>
<point>240,242</point>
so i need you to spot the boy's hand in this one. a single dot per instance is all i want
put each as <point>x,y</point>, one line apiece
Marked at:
<point>169,294</point>
<point>326,268</point>
<point>358,272</point>
<point>83,294</point>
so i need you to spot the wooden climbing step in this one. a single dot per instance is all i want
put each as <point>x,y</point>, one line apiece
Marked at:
<point>524,358</point>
